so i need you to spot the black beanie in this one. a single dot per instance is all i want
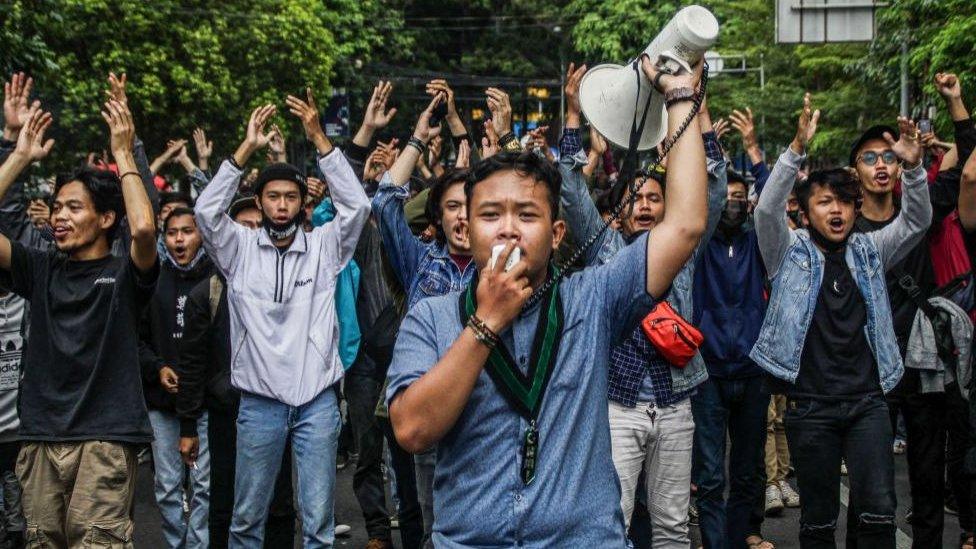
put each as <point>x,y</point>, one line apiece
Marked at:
<point>278,172</point>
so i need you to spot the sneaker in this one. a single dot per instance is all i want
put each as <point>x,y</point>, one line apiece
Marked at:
<point>379,544</point>
<point>899,446</point>
<point>342,529</point>
<point>692,514</point>
<point>843,469</point>
<point>790,498</point>
<point>395,522</point>
<point>774,500</point>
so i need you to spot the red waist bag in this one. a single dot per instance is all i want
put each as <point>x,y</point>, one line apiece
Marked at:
<point>674,337</point>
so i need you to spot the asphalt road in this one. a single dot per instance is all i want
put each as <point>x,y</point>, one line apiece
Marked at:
<point>780,530</point>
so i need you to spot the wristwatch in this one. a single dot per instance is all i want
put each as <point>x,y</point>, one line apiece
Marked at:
<point>678,95</point>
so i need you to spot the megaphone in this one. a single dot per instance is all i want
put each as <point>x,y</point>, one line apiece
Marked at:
<point>613,96</point>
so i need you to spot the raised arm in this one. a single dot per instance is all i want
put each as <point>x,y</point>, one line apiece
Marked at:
<point>173,148</point>
<point>967,194</point>
<point>204,149</point>
<point>31,147</point>
<point>772,227</point>
<point>422,134</point>
<point>898,238</point>
<point>138,209</point>
<point>351,202</point>
<point>671,243</point>
<point>376,116</point>
<point>221,236</point>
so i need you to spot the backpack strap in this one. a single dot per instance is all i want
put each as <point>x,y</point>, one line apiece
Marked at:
<point>216,289</point>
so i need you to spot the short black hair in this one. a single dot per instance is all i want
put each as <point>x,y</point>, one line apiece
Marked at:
<point>735,178</point>
<point>104,188</point>
<point>170,197</point>
<point>619,188</point>
<point>838,180</point>
<point>432,209</point>
<point>176,213</point>
<point>526,164</point>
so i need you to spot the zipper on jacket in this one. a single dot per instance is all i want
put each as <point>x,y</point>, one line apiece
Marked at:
<point>731,251</point>
<point>279,275</point>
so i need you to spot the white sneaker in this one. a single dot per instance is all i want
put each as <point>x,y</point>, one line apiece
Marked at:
<point>774,500</point>
<point>790,497</point>
<point>843,468</point>
<point>342,529</point>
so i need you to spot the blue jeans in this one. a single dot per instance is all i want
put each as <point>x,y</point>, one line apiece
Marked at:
<point>170,480</point>
<point>737,407</point>
<point>263,427</point>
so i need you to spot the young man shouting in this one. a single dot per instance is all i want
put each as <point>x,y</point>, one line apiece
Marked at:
<point>513,391</point>
<point>81,403</point>
<point>828,339</point>
<point>281,290</point>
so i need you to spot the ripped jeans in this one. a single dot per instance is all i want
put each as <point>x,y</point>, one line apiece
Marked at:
<point>820,433</point>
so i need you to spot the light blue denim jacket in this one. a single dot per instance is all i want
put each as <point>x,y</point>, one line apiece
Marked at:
<point>795,266</point>
<point>424,270</point>
<point>584,220</point>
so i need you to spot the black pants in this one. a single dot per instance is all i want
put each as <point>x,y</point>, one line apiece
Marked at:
<point>958,433</point>
<point>925,425</point>
<point>279,530</point>
<point>362,394</point>
<point>820,433</point>
<point>411,519</point>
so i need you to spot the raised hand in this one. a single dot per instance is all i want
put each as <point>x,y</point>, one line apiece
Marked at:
<point>316,190</point>
<point>39,213</point>
<point>489,143</point>
<point>806,126</point>
<point>30,143</point>
<point>388,152</point>
<point>948,85</point>
<point>463,160</point>
<point>440,86</point>
<point>308,113</point>
<point>121,128</point>
<point>176,150</point>
<point>434,150</point>
<point>667,82</point>
<point>909,146</point>
<point>574,75</point>
<point>742,122</point>
<point>203,146</point>
<point>423,131</point>
<point>501,111</point>
<point>720,127</point>
<point>16,103</point>
<point>374,166</point>
<point>116,85</point>
<point>377,116</point>
<point>276,147</point>
<point>256,135</point>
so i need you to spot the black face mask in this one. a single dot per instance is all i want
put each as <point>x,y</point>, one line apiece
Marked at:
<point>736,213</point>
<point>280,231</point>
<point>795,217</point>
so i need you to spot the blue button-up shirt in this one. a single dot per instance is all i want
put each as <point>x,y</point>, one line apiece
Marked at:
<point>574,501</point>
<point>424,270</point>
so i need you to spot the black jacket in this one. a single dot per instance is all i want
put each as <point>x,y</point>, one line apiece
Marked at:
<point>204,365</point>
<point>163,325</point>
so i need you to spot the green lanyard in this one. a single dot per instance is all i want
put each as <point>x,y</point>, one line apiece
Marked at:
<point>524,393</point>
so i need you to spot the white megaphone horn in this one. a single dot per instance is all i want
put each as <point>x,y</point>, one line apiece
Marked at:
<point>613,96</point>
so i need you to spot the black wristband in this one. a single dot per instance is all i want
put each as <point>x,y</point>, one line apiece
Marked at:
<point>234,163</point>
<point>417,144</point>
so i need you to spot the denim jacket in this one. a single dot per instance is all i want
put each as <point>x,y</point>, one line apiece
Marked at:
<point>795,266</point>
<point>584,220</point>
<point>424,270</point>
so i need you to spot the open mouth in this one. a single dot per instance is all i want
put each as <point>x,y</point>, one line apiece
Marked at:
<point>836,224</point>
<point>179,252</point>
<point>60,231</point>
<point>644,221</point>
<point>882,179</point>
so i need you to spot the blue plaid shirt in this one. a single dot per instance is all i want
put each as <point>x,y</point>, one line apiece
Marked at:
<point>635,363</point>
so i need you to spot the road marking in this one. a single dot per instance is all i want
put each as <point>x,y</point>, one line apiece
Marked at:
<point>902,540</point>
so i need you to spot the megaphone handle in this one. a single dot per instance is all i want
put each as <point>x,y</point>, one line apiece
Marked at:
<point>671,63</point>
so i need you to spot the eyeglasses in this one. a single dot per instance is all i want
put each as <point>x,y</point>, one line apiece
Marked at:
<point>870,158</point>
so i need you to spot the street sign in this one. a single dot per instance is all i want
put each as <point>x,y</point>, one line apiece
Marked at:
<point>822,21</point>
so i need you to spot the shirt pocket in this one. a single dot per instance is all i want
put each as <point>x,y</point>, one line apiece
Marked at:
<point>434,283</point>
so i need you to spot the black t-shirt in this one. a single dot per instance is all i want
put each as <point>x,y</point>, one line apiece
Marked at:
<point>918,264</point>
<point>836,361</point>
<point>81,364</point>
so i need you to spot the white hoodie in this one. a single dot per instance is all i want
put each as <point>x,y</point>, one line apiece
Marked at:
<point>283,326</point>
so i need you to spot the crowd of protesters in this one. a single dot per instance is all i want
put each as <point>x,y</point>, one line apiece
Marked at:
<point>526,343</point>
